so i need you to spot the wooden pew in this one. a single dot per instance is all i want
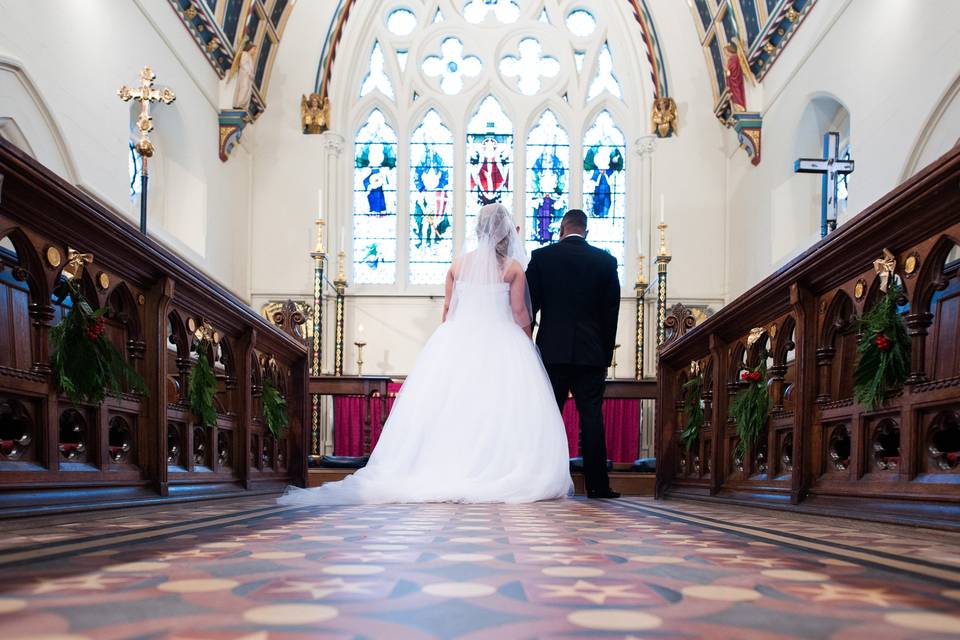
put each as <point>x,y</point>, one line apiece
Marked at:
<point>822,452</point>
<point>131,449</point>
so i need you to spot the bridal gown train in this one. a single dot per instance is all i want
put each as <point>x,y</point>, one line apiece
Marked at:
<point>475,421</point>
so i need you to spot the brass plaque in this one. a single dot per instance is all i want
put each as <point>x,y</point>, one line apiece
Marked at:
<point>54,258</point>
<point>860,289</point>
<point>911,263</point>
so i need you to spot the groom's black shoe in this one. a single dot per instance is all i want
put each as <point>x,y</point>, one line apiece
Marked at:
<point>607,494</point>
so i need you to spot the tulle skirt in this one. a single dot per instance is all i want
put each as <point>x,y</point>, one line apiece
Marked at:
<point>475,421</point>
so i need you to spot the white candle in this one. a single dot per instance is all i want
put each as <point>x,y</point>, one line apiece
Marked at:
<point>360,330</point>
<point>319,204</point>
<point>343,239</point>
<point>639,240</point>
<point>661,208</point>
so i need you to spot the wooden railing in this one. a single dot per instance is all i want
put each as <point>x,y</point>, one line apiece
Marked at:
<point>820,450</point>
<point>135,447</point>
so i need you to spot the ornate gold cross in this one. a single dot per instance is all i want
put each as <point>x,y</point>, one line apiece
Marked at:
<point>145,95</point>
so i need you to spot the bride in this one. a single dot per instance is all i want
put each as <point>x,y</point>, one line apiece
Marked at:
<point>476,419</point>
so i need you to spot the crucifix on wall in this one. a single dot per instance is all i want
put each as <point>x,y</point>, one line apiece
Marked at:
<point>831,167</point>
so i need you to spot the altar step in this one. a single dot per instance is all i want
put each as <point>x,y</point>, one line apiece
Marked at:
<point>629,483</point>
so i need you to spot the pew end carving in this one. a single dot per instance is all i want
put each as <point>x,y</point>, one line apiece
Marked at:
<point>131,448</point>
<point>820,450</point>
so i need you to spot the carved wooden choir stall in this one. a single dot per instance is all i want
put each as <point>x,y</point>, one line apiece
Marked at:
<point>137,447</point>
<point>795,337</point>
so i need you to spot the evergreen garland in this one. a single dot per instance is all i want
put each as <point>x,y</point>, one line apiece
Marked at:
<point>201,387</point>
<point>692,412</point>
<point>274,409</point>
<point>751,406</point>
<point>85,364</point>
<point>884,349</point>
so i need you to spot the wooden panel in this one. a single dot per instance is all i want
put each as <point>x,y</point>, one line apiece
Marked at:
<point>53,453</point>
<point>821,448</point>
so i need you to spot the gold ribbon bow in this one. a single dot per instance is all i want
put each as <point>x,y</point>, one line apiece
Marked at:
<point>75,262</point>
<point>885,267</point>
<point>206,333</point>
<point>755,334</point>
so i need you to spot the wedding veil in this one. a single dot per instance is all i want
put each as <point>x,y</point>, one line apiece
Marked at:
<point>481,271</point>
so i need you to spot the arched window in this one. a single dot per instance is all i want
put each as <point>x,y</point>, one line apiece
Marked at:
<point>548,180</point>
<point>604,185</point>
<point>479,113</point>
<point>431,230</point>
<point>375,202</point>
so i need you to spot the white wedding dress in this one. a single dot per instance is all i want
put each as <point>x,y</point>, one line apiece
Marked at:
<point>476,419</point>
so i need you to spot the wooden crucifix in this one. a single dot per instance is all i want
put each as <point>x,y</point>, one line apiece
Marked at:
<point>831,167</point>
<point>145,95</point>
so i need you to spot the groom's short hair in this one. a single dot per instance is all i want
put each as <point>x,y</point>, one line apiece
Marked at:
<point>574,219</point>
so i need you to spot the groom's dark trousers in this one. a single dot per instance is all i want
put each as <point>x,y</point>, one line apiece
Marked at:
<point>576,290</point>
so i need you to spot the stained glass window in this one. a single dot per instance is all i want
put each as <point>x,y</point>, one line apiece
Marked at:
<point>604,185</point>
<point>506,11</point>
<point>489,161</point>
<point>451,66</point>
<point>548,180</point>
<point>376,78</point>
<point>604,80</point>
<point>529,66</point>
<point>401,22</point>
<point>375,202</point>
<point>431,202</point>
<point>581,23</point>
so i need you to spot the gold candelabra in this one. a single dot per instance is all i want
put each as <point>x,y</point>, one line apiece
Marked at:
<point>319,255</point>
<point>340,284</point>
<point>613,365</point>
<point>663,257</point>
<point>640,286</point>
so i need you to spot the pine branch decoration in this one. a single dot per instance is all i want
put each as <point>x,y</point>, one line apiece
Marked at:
<point>274,409</point>
<point>692,412</point>
<point>751,406</point>
<point>884,349</point>
<point>86,366</point>
<point>201,387</point>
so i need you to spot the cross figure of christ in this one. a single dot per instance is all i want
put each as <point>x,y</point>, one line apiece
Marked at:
<point>830,167</point>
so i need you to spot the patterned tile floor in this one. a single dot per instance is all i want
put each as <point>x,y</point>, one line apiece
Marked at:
<point>570,569</point>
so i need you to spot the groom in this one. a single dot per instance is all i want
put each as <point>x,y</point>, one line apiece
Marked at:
<point>575,288</point>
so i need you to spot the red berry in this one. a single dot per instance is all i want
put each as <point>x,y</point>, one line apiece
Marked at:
<point>745,375</point>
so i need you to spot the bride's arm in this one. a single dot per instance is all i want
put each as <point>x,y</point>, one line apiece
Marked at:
<point>448,289</point>
<point>518,299</point>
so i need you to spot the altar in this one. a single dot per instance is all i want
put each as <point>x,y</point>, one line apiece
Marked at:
<point>359,415</point>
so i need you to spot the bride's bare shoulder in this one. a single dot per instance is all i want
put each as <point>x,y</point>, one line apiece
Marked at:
<point>514,269</point>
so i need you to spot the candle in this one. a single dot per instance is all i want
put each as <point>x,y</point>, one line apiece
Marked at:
<point>343,239</point>
<point>639,240</point>
<point>360,330</point>
<point>661,208</point>
<point>319,204</point>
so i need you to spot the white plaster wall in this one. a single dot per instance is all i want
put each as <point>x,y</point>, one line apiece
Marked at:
<point>288,167</point>
<point>76,53</point>
<point>890,63</point>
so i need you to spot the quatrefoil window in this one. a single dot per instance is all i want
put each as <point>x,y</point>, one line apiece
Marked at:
<point>451,66</point>
<point>505,11</point>
<point>529,67</point>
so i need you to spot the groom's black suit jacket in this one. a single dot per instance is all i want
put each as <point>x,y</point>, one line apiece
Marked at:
<point>576,289</point>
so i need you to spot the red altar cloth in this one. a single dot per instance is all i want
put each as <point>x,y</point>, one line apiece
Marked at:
<point>621,419</point>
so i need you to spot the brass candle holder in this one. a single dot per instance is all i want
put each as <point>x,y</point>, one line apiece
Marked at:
<point>613,365</point>
<point>340,284</point>
<point>360,344</point>
<point>663,257</point>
